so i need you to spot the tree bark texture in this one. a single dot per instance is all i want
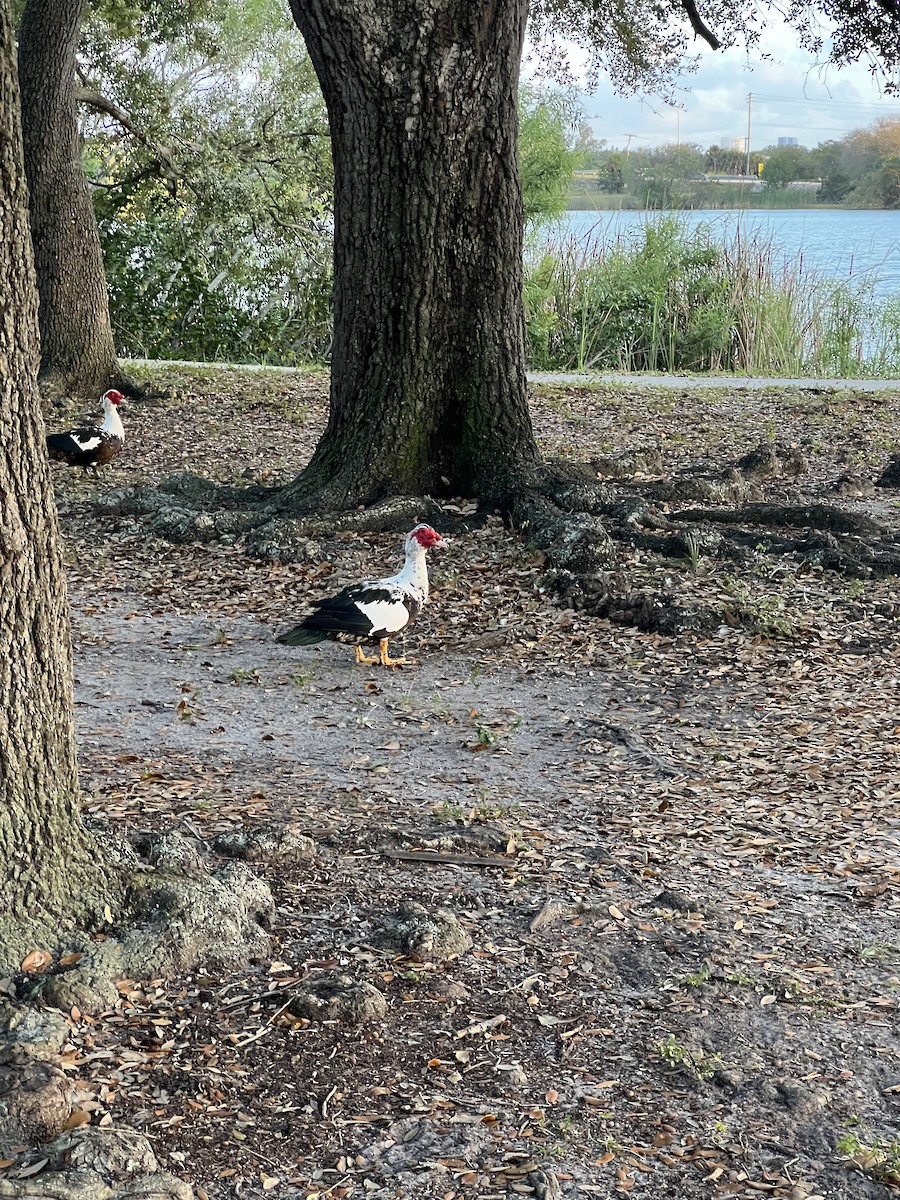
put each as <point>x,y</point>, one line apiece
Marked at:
<point>77,350</point>
<point>428,388</point>
<point>46,869</point>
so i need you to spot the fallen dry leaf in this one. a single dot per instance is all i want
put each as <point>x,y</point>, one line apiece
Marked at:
<point>36,962</point>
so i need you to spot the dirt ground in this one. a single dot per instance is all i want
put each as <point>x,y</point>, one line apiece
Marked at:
<point>672,964</point>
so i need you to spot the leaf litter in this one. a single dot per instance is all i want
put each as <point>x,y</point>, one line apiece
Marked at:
<point>676,857</point>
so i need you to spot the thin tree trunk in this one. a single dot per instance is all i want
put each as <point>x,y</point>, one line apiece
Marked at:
<point>48,873</point>
<point>77,349</point>
<point>428,386</point>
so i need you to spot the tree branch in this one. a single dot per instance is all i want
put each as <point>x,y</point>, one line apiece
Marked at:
<point>698,25</point>
<point>100,103</point>
<point>85,95</point>
<point>128,181</point>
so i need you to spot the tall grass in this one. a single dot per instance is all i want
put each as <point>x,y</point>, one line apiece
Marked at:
<point>680,196</point>
<point>679,300</point>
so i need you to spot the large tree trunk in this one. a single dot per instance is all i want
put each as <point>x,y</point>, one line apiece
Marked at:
<point>428,367</point>
<point>77,350</point>
<point>50,878</point>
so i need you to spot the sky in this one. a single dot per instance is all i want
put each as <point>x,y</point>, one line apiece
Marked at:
<point>792,97</point>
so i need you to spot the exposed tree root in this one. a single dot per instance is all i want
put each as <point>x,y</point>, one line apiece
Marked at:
<point>180,910</point>
<point>810,516</point>
<point>336,997</point>
<point>415,931</point>
<point>589,528</point>
<point>98,1164</point>
<point>176,913</point>
<point>188,508</point>
<point>592,520</point>
<point>298,539</point>
<point>890,476</point>
<point>35,1100</point>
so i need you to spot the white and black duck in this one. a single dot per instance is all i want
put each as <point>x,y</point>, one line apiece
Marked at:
<point>91,446</point>
<point>376,610</point>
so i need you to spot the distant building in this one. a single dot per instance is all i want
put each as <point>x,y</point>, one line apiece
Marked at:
<point>787,141</point>
<point>739,143</point>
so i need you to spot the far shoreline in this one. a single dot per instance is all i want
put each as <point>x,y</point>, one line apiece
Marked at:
<point>580,204</point>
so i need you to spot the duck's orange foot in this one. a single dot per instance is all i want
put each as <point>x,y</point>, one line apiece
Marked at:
<point>386,660</point>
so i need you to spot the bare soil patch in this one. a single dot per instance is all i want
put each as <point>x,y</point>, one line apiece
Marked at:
<point>659,952</point>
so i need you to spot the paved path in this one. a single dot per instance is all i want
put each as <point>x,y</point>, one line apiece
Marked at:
<point>715,381</point>
<point>586,378</point>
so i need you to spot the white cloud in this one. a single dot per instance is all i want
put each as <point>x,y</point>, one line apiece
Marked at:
<point>793,96</point>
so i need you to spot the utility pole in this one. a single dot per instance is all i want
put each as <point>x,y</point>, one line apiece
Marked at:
<point>628,144</point>
<point>678,125</point>
<point>749,127</point>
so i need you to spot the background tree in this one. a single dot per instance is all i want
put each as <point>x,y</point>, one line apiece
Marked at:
<point>77,350</point>
<point>51,879</point>
<point>59,885</point>
<point>208,152</point>
<point>78,346</point>
<point>665,174</point>
<point>589,148</point>
<point>721,161</point>
<point>871,157</point>
<point>428,382</point>
<point>546,157</point>
<point>208,155</point>
<point>787,164</point>
<point>835,181</point>
<point>612,172</point>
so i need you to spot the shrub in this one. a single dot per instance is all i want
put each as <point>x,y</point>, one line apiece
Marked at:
<point>674,300</point>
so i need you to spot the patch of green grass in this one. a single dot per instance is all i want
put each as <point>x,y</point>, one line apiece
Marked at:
<point>486,811</point>
<point>692,549</point>
<point>719,1134</point>
<point>448,814</point>
<point>879,1159</point>
<point>691,1060</point>
<point>411,975</point>
<point>238,675</point>
<point>883,441</point>
<point>289,409</point>
<point>875,950</point>
<point>740,977</point>
<point>827,1003</point>
<point>764,613</point>
<point>698,978</point>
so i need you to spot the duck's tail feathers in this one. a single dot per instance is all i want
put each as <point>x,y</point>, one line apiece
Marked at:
<point>300,636</point>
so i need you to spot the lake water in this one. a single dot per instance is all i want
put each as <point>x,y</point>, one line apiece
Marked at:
<point>851,245</point>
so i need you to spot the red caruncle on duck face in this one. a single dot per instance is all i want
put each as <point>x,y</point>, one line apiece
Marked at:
<point>428,537</point>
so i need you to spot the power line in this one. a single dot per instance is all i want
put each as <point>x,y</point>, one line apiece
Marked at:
<point>829,103</point>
